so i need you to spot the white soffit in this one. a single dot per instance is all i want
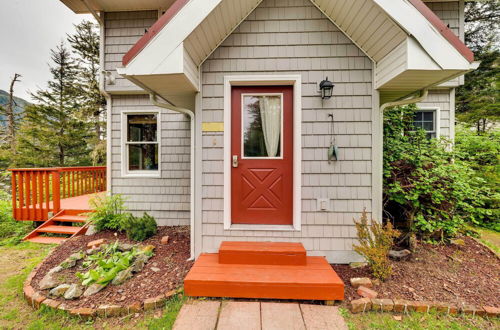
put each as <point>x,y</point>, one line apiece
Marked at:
<point>79,7</point>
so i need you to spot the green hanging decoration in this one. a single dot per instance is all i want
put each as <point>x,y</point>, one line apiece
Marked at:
<point>333,150</point>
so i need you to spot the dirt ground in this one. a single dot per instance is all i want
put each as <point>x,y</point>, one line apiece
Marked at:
<point>458,273</point>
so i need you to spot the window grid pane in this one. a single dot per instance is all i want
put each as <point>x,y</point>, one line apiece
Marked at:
<point>142,142</point>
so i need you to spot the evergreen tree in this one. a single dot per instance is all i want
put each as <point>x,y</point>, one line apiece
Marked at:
<point>52,132</point>
<point>85,44</point>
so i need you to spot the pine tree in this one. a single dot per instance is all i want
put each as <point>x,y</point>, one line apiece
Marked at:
<point>85,44</point>
<point>52,132</point>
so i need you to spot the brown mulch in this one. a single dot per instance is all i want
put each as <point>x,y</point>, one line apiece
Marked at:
<point>170,258</point>
<point>468,273</point>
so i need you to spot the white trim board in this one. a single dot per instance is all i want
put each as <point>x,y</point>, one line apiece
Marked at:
<point>265,80</point>
<point>125,173</point>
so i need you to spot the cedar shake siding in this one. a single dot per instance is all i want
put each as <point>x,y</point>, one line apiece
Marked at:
<point>293,37</point>
<point>165,198</point>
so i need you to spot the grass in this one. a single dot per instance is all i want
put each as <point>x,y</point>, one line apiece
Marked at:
<point>374,320</point>
<point>490,238</point>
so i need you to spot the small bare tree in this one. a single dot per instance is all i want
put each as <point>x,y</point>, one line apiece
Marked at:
<point>10,114</point>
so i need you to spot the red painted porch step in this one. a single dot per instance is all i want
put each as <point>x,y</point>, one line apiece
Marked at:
<point>262,253</point>
<point>316,280</point>
<point>46,240</point>
<point>54,229</point>
<point>70,218</point>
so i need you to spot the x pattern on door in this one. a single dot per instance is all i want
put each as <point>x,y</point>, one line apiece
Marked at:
<point>262,189</point>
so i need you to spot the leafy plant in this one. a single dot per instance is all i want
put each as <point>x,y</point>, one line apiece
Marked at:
<point>11,231</point>
<point>139,229</point>
<point>375,241</point>
<point>108,212</point>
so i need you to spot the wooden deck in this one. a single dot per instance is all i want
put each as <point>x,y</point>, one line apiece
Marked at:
<point>282,272</point>
<point>78,203</point>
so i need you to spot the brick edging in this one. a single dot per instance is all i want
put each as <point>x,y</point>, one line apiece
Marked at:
<point>404,306</point>
<point>36,299</point>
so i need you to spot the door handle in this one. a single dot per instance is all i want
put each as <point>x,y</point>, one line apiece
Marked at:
<point>235,161</point>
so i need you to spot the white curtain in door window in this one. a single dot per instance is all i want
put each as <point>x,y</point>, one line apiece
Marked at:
<point>270,113</point>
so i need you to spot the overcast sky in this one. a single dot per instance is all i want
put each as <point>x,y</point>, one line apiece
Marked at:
<point>28,30</point>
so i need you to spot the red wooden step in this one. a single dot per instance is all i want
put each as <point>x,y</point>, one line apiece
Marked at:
<point>316,280</point>
<point>262,253</point>
<point>69,230</point>
<point>70,218</point>
<point>46,240</point>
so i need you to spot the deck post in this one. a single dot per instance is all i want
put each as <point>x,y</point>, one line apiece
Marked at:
<point>56,192</point>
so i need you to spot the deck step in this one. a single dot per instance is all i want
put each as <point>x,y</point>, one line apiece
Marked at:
<point>68,230</point>
<point>262,253</point>
<point>70,218</point>
<point>46,240</point>
<point>316,280</point>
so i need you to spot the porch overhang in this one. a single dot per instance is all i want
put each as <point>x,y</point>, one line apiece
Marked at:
<point>410,47</point>
<point>82,6</point>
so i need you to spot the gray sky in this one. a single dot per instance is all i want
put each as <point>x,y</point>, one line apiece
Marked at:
<point>28,30</point>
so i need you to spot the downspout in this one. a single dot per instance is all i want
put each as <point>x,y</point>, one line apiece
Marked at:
<point>190,113</point>
<point>422,95</point>
<point>107,96</point>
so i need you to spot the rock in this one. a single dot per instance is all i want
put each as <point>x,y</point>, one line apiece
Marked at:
<point>366,292</point>
<point>96,243</point>
<point>48,282</point>
<point>93,250</point>
<point>164,240</point>
<point>74,292</point>
<point>147,248</point>
<point>355,265</point>
<point>68,263</point>
<point>93,289</point>
<point>361,305</point>
<point>54,270</point>
<point>122,276</point>
<point>399,255</point>
<point>59,290</point>
<point>361,281</point>
<point>376,282</point>
<point>77,256</point>
<point>139,262</point>
<point>125,247</point>
<point>155,269</point>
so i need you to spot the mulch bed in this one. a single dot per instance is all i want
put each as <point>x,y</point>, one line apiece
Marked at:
<point>170,258</point>
<point>468,273</point>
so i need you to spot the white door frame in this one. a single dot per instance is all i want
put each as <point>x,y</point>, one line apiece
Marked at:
<point>265,80</point>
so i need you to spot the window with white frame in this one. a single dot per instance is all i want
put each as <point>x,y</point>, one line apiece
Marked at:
<point>141,143</point>
<point>426,120</point>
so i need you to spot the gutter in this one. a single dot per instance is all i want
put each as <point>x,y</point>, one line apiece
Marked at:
<point>97,17</point>
<point>190,113</point>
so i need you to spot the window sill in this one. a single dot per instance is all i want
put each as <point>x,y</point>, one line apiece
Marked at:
<point>142,175</point>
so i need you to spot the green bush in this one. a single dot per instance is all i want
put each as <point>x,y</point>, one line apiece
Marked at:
<point>11,231</point>
<point>436,195</point>
<point>109,212</point>
<point>139,229</point>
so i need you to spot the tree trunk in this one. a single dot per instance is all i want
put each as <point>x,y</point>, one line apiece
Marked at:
<point>11,116</point>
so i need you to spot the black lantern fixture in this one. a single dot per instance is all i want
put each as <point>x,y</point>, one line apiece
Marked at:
<point>326,87</point>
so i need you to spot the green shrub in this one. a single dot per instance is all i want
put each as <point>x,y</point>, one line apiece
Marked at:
<point>435,194</point>
<point>109,212</point>
<point>375,241</point>
<point>11,231</point>
<point>139,229</point>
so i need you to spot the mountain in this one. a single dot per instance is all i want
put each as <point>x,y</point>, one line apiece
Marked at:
<point>20,104</point>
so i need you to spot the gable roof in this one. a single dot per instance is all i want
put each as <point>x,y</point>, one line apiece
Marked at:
<point>385,30</point>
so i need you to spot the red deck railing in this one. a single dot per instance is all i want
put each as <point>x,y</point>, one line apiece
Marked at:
<point>38,191</point>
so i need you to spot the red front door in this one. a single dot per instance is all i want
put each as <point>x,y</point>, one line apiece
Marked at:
<point>262,155</point>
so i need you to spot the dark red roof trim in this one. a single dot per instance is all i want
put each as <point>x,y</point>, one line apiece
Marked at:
<point>153,31</point>
<point>443,29</point>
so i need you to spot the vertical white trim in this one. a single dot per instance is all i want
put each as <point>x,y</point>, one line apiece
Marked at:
<point>377,153</point>
<point>265,80</point>
<point>197,240</point>
<point>125,173</point>
<point>452,115</point>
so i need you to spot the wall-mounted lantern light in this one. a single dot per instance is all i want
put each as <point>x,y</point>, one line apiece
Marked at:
<point>326,87</point>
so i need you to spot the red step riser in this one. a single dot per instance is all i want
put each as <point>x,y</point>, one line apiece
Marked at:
<point>262,253</point>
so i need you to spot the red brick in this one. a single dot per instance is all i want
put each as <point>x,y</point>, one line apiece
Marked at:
<point>84,313</point>
<point>491,311</point>
<point>170,294</point>
<point>134,307</point>
<point>51,303</point>
<point>96,243</point>
<point>356,282</point>
<point>155,302</point>
<point>419,306</point>
<point>111,310</point>
<point>401,305</point>
<point>382,305</point>
<point>164,240</point>
<point>444,307</point>
<point>361,305</point>
<point>366,292</point>
<point>37,299</point>
<point>28,294</point>
<point>472,310</point>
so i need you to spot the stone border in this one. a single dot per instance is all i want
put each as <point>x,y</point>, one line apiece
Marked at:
<point>404,306</point>
<point>37,299</point>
